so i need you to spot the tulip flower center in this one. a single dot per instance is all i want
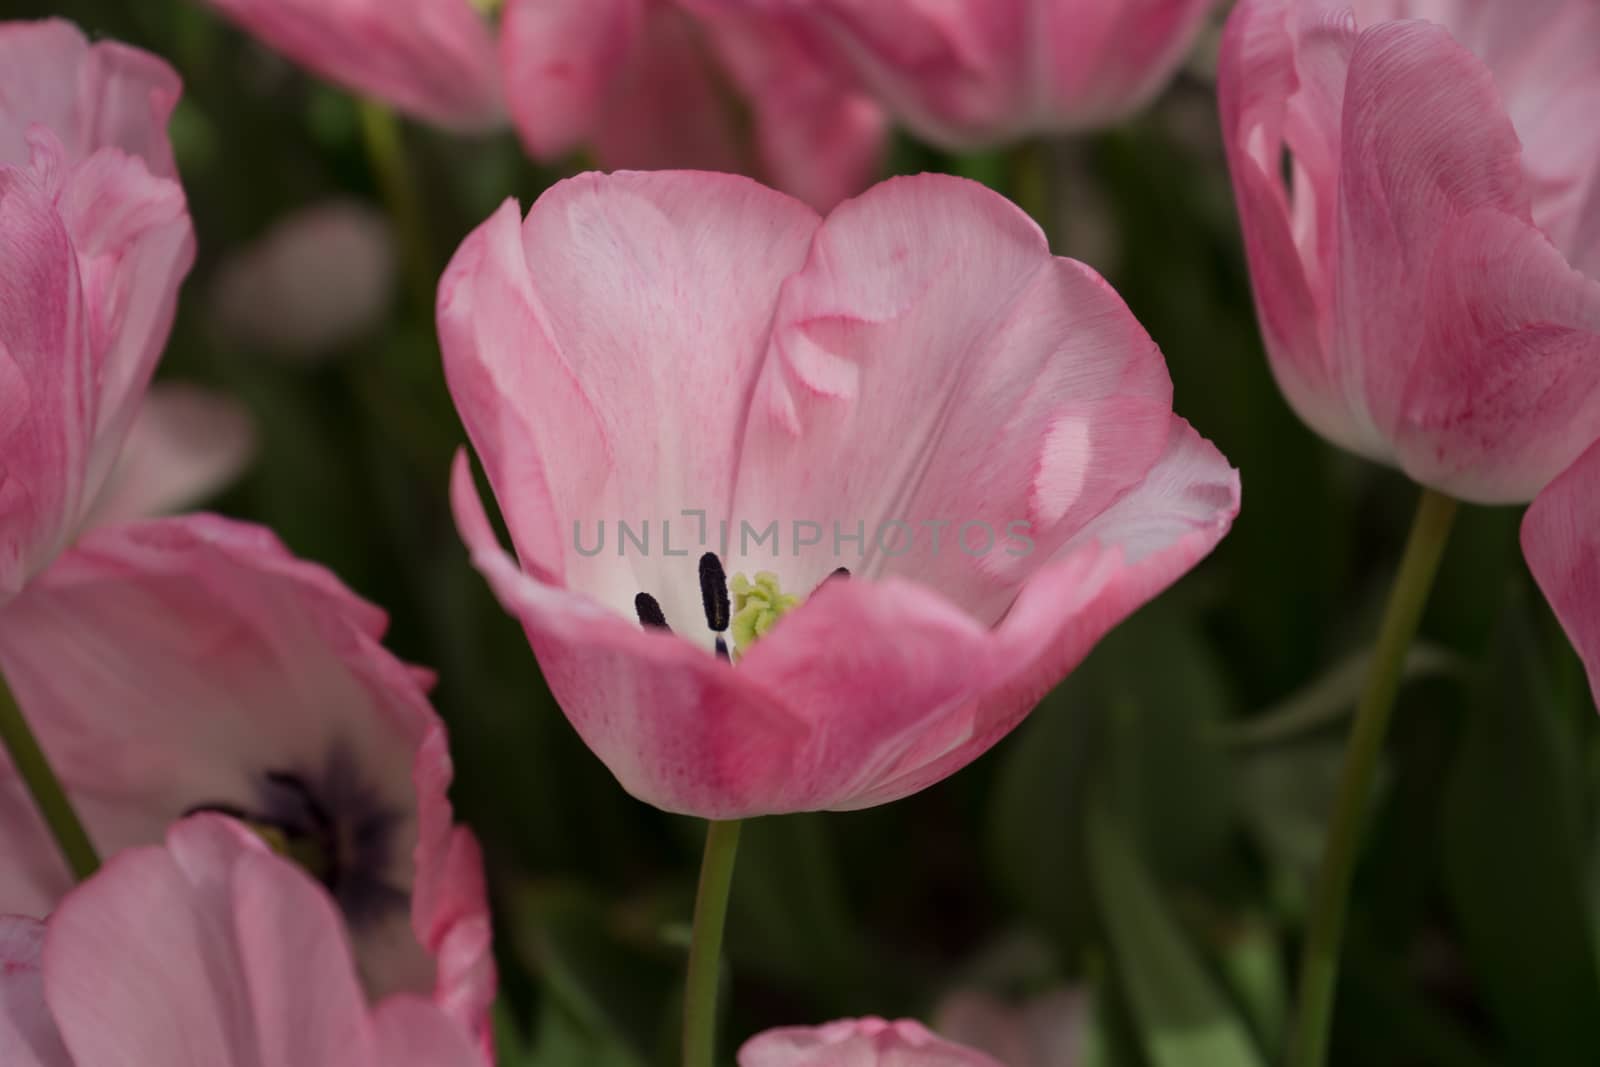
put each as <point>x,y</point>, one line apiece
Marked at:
<point>331,826</point>
<point>753,610</point>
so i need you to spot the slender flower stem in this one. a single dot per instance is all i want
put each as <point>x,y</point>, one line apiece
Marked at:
<point>705,945</point>
<point>45,787</point>
<point>387,154</point>
<point>1319,967</point>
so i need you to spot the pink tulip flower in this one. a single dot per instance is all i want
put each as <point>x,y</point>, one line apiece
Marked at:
<point>1047,1030</point>
<point>859,1043</point>
<point>185,665</point>
<point>973,73</point>
<point>642,83</point>
<point>980,434</point>
<point>1421,207</point>
<point>187,442</point>
<point>317,280</point>
<point>434,59</point>
<point>94,241</point>
<point>207,950</point>
<point>1561,540</point>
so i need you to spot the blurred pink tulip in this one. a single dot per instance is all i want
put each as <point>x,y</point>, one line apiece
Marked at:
<point>192,664</point>
<point>1047,1030</point>
<point>434,59</point>
<point>645,84</point>
<point>317,280</point>
<point>654,346</point>
<point>973,73</point>
<point>1421,208</point>
<point>94,241</point>
<point>207,950</point>
<point>1561,539</point>
<point>187,443</point>
<point>859,1043</point>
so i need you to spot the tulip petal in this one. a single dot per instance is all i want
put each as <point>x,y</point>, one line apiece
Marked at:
<point>858,1043</point>
<point>1561,540</point>
<point>104,95</point>
<point>960,376</point>
<point>142,965</point>
<point>432,58</point>
<point>1113,566</point>
<point>411,1032</point>
<point>28,1036</point>
<point>187,443</point>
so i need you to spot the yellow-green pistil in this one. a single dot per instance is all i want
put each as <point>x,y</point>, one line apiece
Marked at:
<point>757,607</point>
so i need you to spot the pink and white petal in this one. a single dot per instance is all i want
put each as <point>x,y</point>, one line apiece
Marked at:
<point>602,353</point>
<point>28,1035</point>
<point>296,960</point>
<point>104,95</point>
<point>960,376</point>
<point>866,1042</point>
<point>1505,392</point>
<point>561,60</point>
<point>413,1032</point>
<point>134,244</point>
<point>434,59</point>
<point>141,962</point>
<point>47,374</point>
<point>871,669</point>
<point>187,443</point>
<point>1426,144</point>
<point>1116,564</point>
<point>1561,540</point>
<point>677,728</point>
<point>169,665</point>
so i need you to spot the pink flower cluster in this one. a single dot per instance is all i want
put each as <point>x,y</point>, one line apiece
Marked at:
<point>1418,185</point>
<point>199,691</point>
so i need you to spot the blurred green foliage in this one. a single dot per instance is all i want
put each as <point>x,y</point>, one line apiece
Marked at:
<point>1149,831</point>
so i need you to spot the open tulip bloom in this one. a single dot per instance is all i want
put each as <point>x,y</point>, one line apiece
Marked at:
<point>207,949</point>
<point>961,450</point>
<point>1428,276</point>
<point>188,665</point>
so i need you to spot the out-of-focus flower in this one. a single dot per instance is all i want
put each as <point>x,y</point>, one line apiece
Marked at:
<point>94,241</point>
<point>187,443</point>
<point>1047,1030</point>
<point>971,73</point>
<point>434,59</point>
<point>1561,540</point>
<point>209,950</point>
<point>860,1043</point>
<point>1421,207</point>
<point>317,280</point>
<point>192,664</point>
<point>646,85</point>
<point>980,433</point>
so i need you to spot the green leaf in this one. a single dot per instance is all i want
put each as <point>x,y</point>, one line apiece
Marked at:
<point>1515,862</point>
<point>1182,1018</point>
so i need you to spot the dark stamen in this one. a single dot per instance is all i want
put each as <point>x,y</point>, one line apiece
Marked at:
<point>842,572</point>
<point>714,592</point>
<point>650,613</point>
<point>722,649</point>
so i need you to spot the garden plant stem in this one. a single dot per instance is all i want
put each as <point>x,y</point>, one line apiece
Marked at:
<point>705,946</point>
<point>48,796</point>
